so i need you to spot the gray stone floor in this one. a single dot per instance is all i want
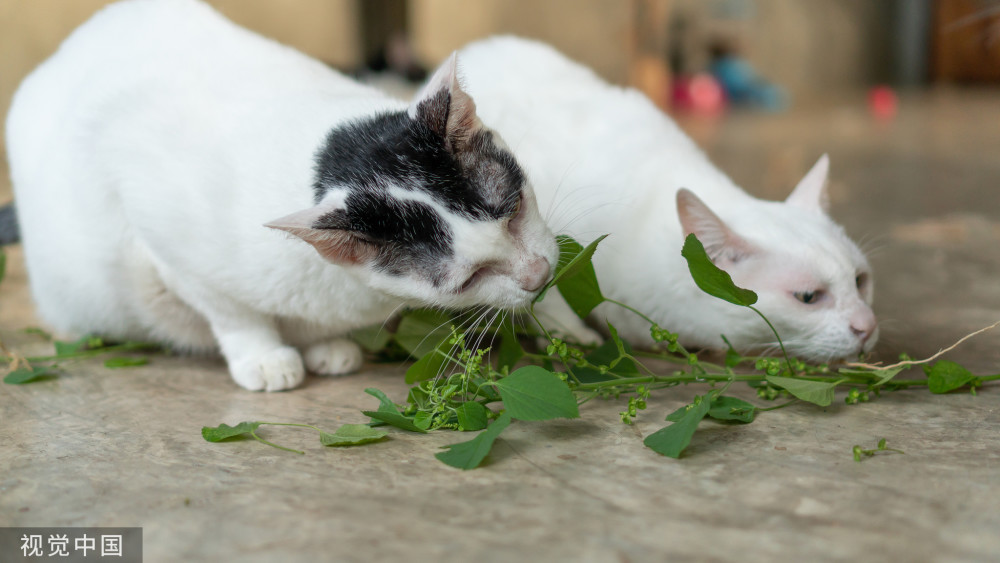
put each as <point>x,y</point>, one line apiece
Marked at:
<point>101,447</point>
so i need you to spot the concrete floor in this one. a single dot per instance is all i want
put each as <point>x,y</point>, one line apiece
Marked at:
<point>101,447</point>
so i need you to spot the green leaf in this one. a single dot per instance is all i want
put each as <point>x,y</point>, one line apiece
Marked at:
<point>885,375</point>
<point>423,419</point>
<point>30,375</point>
<point>581,292</point>
<point>468,455</point>
<point>471,416</point>
<point>395,419</point>
<point>710,278</point>
<point>722,408</point>
<point>510,350</point>
<point>3,264</point>
<point>733,358</point>
<point>352,435</point>
<point>388,412</point>
<point>70,348</point>
<point>815,392</point>
<point>731,408</point>
<point>535,393</point>
<point>619,345</point>
<point>672,440</point>
<point>603,355</point>
<point>421,331</point>
<point>946,375</point>
<point>372,338</point>
<point>125,362</point>
<point>417,396</point>
<point>224,431</point>
<point>573,260</point>
<point>427,367</point>
<point>577,280</point>
<point>37,331</point>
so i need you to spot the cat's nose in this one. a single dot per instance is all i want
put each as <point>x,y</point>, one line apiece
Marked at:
<point>863,324</point>
<point>535,274</point>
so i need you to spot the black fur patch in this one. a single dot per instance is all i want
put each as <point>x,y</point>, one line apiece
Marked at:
<point>479,180</point>
<point>409,235</point>
<point>475,179</point>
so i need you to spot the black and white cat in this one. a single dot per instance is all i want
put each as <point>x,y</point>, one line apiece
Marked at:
<point>604,159</point>
<point>150,151</point>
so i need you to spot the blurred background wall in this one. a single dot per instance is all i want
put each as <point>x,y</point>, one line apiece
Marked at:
<point>808,48</point>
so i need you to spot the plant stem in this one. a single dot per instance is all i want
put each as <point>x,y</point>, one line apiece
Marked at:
<point>776,407</point>
<point>673,379</point>
<point>624,306</point>
<point>780,343</point>
<point>272,444</point>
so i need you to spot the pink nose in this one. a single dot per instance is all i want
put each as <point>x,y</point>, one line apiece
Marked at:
<point>863,324</point>
<point>534,274</point>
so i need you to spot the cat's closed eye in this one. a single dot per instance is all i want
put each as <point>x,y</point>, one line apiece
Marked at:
<point>479,274</point>
<point>809,297</point>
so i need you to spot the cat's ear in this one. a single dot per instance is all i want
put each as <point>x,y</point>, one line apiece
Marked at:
<point>444,107</point>
<point>720,242</point>
<point>811,191</point>
<point>324,227</point>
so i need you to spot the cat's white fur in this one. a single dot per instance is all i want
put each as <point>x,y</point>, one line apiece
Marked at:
<point>148,153</point>
<point>604,159</point>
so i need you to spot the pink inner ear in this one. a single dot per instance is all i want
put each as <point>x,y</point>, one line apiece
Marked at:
<point>335,245</point>
<point>696,217</point>
<point>458,109</point>
<point>304,219</point>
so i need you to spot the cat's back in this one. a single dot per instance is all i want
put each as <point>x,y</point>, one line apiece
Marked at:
<point>161,57</point>
<point>576,133</point>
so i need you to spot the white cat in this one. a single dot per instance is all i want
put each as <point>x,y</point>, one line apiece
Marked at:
<point>605,160</point>
<point>149,152</point>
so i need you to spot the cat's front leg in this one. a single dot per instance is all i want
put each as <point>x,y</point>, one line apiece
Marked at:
<point>258,359</point>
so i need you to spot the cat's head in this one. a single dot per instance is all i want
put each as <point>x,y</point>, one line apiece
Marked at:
<point>812,281</point>
<point>429,205</point>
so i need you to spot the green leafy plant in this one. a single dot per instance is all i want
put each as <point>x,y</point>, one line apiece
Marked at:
<point>464,379</point>
<point>346,435</point>
<point>40,368</point>
<point>454,386</point>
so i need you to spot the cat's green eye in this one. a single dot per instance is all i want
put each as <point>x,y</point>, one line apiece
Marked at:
<point>807,297</point>
<point>860,280</point>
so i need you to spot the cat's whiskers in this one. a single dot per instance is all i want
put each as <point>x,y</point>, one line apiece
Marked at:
<point>872,244</point>
<point>466,320</point>
<point>556,201</point>
<point>389,317</point>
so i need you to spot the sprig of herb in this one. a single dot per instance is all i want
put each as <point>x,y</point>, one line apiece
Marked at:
<point>40,368</point>
<point>453,386</point>
<point>860,453</point>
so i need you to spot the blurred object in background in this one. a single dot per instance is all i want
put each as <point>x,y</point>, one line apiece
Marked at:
<point>680,52</point>
<point>741,83</point>
<point>882,102</point>
<point>967,40</point>
<point>698,93</point>
<point>386,42</point>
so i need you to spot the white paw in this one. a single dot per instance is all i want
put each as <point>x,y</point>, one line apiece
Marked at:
<point>335,357</point>
<point>274,370</point>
